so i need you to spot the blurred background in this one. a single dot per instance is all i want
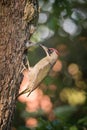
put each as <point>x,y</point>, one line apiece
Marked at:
<point>60,102</point>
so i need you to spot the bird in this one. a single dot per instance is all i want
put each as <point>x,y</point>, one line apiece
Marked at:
<point>40,70</point>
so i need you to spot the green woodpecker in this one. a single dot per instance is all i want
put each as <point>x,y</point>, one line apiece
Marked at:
<point>37,73</point>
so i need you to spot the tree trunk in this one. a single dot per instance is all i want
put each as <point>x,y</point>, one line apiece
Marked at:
<point>15,25</point>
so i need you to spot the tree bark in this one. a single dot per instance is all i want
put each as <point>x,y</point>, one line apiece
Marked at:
<point>14,31</point>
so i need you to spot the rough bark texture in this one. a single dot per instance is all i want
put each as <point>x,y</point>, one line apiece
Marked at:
<point>12,36</point>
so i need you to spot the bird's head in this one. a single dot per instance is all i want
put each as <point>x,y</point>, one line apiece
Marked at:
<point>51,53</point>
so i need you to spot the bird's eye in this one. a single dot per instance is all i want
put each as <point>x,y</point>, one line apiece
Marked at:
<point>50,51</point>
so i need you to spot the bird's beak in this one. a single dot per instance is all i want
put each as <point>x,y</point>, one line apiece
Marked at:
<point>44,48</point>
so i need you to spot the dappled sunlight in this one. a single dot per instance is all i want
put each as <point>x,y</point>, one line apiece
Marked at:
<point>76,74</point>
<point>58,66</point>
<point>71,27</point>
<point>40,101</point>
<point>31,122</point>
<point>43,32</point>
<point>33,102</point>
<point>73,69</point>
<point>46,104</point>
<point>43,18</point>
<point>32,106</point>
<point>36,95</point>
<point>73,96</point>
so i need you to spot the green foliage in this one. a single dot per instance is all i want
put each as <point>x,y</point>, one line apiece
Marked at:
<point>64,112</point>
<point>73,128</point>
<point>47,125</point>
<point>23,128</point>
<point>58,125</point>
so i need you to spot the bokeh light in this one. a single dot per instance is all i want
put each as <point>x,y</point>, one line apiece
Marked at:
<point>73,96</point>
<point>46,104</point>
<point>58,66</point>
<point>31,122</point>
<point>73,69</point>
<point>70,27</point>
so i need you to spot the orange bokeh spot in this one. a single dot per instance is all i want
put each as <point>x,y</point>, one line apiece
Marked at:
<point>46,104</point>
<point>58,66</point>
<point>73,69</point>
<point>32,106</point>
<point>33,102</point>
<point>31,122</point>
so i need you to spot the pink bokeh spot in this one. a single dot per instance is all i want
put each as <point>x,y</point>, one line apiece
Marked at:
<point>31,122</point>
<point>46,104</point>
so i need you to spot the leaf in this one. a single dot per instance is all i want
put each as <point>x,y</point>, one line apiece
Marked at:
<point>73,128</point>
<point>83,120</point>
<point>64,112</point>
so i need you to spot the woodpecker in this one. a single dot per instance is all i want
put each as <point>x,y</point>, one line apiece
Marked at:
<point>37,73</point>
